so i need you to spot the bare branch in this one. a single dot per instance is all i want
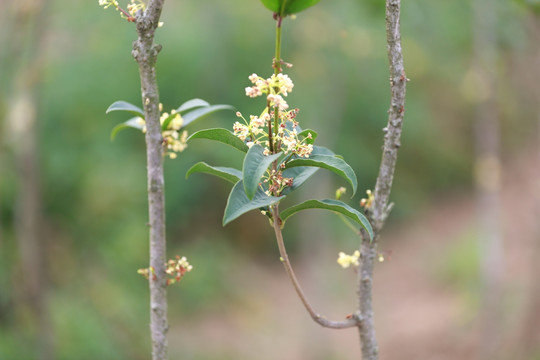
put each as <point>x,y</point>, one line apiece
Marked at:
<point>145,53</point>
<point>380,207</point>
<point>392,131</point>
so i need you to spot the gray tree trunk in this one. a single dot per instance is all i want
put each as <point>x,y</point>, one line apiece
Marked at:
<point>488,175</point>
<point>22,126</point>
<point>529,338</point>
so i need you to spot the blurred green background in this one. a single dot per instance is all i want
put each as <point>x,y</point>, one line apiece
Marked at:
<point>92,191</point>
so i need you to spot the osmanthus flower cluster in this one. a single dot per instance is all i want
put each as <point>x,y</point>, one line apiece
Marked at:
<point>275,129</point>
<point>257,130</point>
<point>133,8</point>
<point>173,123</point>
<point>174,140</point>
<point>347,260</point>
<point>175,270</point>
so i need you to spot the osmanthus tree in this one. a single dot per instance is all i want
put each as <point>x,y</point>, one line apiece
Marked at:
<point>165,135</point>
<point>279,156</point>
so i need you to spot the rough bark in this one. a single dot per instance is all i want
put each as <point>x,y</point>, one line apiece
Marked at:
<point>368,339</point>
<point>380,207</point>
<point>145,53</point>
<point>487,176</point>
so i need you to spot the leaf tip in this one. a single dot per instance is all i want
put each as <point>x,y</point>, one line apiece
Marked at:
<point>225,221</point>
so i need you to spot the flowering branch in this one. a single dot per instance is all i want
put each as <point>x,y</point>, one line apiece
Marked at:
<point>145,53</point>
<point>165,136</point>
<point>280,157</point>
<point>277,101</point>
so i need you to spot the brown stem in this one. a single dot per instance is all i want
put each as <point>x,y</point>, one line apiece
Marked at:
<point>126,14</point>
<point>145,53</point>
<point>380,207</point>
<point>319,319</point>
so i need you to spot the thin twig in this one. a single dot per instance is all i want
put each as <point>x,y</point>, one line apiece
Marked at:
<point>354,319</point>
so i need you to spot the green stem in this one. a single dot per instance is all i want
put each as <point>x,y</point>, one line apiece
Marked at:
<point>277,57</point>
<point>282,11</point>
<point>277,68</point>
<point>270,137</point>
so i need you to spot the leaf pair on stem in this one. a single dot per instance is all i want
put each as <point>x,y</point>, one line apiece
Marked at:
<point>249,194</point>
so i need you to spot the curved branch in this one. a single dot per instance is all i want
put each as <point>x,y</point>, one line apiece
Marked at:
<point>355,319</point>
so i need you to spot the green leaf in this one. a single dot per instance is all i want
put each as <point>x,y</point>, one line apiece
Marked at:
<point>305,133</point>
<point>230,174</point>
<point>131,123</point>
<point>221,135</point>
<point>295,6</point>
<point>125,106</point>
<point>301,173</point>
<point>332,205</point>
<point>192,104</point>
<point>272,5</point>
<point>291,6</point>
<point>202,112</point>
<point>195,114</point>
<point>238,202</point>
<point>332,163</point>
<point>255,165</point>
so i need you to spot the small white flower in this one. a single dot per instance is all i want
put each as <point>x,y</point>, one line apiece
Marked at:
<point>256,122</point>
<point>253,78</point>
<point>241,131</point>
<point>347,260</point>
<point>253,91</point>
<point>304,150</point>
<point>277,100</point>
<point>177,122</point>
